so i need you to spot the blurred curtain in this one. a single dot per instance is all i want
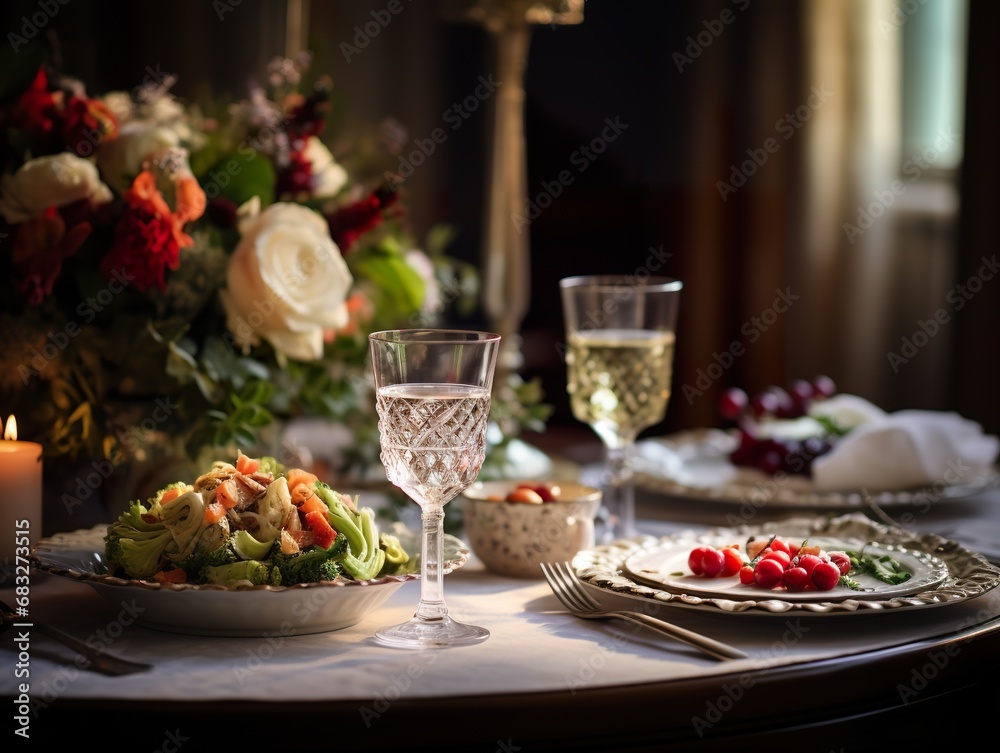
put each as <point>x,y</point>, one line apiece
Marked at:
<point>845,264</point>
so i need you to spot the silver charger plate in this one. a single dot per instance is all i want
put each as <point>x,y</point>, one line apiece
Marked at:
<point>695,465</point>
<point>969,574</point>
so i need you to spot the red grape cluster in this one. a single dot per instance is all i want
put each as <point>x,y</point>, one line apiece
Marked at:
<point>773,454</point>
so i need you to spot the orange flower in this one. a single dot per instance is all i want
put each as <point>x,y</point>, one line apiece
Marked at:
<point>359,310</point>
<point>150,235</point>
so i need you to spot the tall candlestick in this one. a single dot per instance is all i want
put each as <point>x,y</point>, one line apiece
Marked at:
<point>20,496</point>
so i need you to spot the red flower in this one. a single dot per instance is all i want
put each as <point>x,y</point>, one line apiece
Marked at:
<point>40,246</point>
<point>307,115</point>
<point>36,111</point>
<point>55,122</point>
<point>149,237</point>
<point>349,223</point>
<point>85,123</point>
<point>295,178</point>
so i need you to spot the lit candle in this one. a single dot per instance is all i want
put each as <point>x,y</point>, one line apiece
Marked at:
<point>20,495</point>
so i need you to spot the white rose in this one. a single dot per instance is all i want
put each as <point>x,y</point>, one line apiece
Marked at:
<point>328,175</point>
<point>53,180</point>
<point>287,282</point>
<point>121,106</point>
<point>122,158</point>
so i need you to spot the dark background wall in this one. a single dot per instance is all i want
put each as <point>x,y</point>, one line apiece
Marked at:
<point>648,189</point>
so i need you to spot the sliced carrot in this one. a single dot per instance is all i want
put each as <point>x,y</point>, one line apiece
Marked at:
<point>214,512</point>
<point>170,496</point>
<point>226,494</point>
<point>298,476</point>
<point>177,575</point>
<point>247,465</point>
<point>323,532</point>
<point>314,504</point>
<point>301,493</point>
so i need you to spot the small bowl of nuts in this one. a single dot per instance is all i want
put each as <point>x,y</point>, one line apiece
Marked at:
<point>515,526</point>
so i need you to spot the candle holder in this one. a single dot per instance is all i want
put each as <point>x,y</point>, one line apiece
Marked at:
<point>506,247</point>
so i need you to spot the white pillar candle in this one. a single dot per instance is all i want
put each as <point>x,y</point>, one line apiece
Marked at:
<point>20,495</point>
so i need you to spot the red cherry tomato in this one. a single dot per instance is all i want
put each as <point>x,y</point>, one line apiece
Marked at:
<point>713,562</point>
<point>808,562</point>
<point>825,576</point>
<point>733,562</point>
<point>795,579</point>
<point>768,573</point>
<point>780,557</point>
<point>780,545</point>
<point>842,561</point>
<point>695,557</point>
<point>747,577</point>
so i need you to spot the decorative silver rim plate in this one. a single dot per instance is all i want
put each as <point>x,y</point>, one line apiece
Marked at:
<point>969,574</point>
<point>666,567</point>
<point>695,465</point>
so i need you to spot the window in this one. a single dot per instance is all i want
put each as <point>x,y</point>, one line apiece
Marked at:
<point>933,106</point>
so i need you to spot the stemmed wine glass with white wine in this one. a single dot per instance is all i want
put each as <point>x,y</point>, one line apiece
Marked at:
<point>432,393</point>
<point>619,363</point>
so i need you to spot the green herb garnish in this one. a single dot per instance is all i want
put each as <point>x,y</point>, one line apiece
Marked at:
<point>883,567</point>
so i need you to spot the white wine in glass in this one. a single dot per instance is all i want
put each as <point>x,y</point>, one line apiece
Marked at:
<point>619,364</point>
<point>432,395</point>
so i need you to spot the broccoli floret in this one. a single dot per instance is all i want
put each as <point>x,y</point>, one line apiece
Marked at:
<point>138,542</point>
<point>312,565</point>
<point>396,558</point>
<point>271,465</point>
<point>256,572</point>
<point>195,565</point>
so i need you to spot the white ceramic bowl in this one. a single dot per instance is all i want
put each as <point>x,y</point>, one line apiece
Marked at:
<point>514,538</point>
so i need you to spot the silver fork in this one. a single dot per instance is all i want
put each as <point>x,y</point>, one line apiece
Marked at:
<point>97,660</point>
<point>575,598</point>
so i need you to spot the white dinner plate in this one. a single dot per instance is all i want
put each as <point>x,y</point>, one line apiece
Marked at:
<point>666,567</point>
<point>612,568</point>
<point>695,465</point>
<point>233,611</point>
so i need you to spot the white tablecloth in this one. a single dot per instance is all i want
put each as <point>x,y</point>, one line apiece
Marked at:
<point>532,647</point>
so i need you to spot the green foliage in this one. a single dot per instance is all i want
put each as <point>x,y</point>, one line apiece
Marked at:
<point>830,426</point>
<point>247,414</point>
<point>239,176</point>
<point>397,290</point>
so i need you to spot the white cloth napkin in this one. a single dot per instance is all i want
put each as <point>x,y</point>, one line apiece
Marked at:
<point>907,449</point>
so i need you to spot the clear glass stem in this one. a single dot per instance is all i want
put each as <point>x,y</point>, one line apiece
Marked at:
<point>432,606</point>
<point>619,492</point>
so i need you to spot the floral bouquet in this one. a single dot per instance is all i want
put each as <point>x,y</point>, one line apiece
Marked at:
<point>182,278</point>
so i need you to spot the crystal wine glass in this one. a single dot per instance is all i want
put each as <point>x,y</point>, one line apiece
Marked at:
<point>619,362</point>
<point>432,391</point>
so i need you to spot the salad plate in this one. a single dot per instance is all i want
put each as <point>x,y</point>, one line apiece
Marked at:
<point>650,568</point>
<point>695,465</point>
<point>233,610</point>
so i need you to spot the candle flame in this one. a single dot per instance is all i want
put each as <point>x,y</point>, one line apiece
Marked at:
<point>11,431</point>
